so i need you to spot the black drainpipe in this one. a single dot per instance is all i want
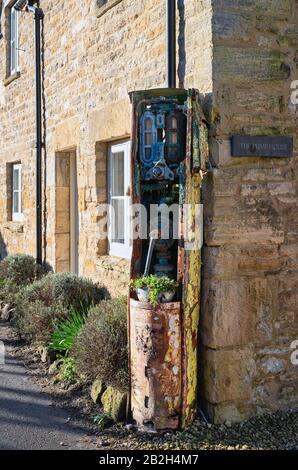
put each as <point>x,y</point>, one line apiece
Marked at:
<point>29,5</point>
<point>171,43</point>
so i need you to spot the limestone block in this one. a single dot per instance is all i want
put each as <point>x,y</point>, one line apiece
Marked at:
<point>231,25</point>
<point>220,262</point>
<point>114,403</point>
<point>289,255</point>
<point>285,324</point>
<point>273,365</point>
<point>66,134</point>
<point>256,101</point>
<point>282,9</point>
<point>241,4</point>
<point>228,374</point>
<point>97,390</point>
<point>228,412</point>
<point>250,64</point>
<point>265,395</point>
<point>82,201</point>
<point>259,258</point>
<point>227,316</point>
<point>110,121</point>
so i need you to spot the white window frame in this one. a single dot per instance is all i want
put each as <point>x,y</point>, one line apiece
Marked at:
<point>122,250</point>
<point>17,216</point>
<point>14,41</point>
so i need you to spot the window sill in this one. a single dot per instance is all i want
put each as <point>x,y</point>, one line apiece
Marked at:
<point>104,8</point>
<point>11,78</point>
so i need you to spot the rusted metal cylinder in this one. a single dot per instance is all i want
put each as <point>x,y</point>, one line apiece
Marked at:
<point>155,348</point>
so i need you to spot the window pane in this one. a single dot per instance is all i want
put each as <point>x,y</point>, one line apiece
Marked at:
<point>118,174</point>
<point>173,123</point>
<point>118,228</point>
<point>148,138</point>
<point>13,22</point>
<point>13,40</point>
<point>16,179</point>
<point>148,124</point>
<point>148,154</point>
<point>173,138</point>
<point>16,207</point>
<point>13,57</point>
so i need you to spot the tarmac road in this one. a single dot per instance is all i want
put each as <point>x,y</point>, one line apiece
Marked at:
<point>28,421</point>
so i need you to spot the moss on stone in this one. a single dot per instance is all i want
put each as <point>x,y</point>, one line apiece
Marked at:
<point>114,403</point>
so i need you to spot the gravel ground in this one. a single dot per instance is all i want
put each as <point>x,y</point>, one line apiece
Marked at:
<point>271,432</point>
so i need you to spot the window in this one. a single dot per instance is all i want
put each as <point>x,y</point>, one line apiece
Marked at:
<point>17,214</point>
<point>14,41</point>
<point>119,200</point>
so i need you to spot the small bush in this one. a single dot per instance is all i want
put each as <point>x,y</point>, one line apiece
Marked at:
<point>73,291</point>
<point>17,271</point>
<point>36,321</point>
<point>44,303</point>
<point>100,349</point>
<point>20,269</point>
<point>8,292</point>
<point>65,333</point>
<point>68,370</point>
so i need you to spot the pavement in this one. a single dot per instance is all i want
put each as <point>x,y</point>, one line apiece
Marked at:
<point>28,419</point>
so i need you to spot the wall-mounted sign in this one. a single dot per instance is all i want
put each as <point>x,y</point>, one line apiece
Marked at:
<point>262,146</point>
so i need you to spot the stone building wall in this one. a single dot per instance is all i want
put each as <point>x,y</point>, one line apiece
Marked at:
<point>250,269</point>
<point>94,56</point>
<point>242,55</point>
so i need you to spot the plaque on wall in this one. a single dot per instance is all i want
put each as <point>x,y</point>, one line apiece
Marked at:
<point>262,146</point>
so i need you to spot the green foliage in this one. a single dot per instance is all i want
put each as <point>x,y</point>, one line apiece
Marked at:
<point>17,271</point>
<point>20,269</point>
<point>101,419</point>
<point>46,302</point>
<point>8,292</point>
<point>68,370</point>
<point>73,291</point>
<point>100,349</point>
<point>35,320</point>
<point>156,286</point>
<point>65,333</point>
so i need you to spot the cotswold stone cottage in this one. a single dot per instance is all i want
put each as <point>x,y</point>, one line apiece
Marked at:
<point>242,55</point>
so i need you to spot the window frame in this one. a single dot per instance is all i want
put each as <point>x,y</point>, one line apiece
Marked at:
<point>121,250</point>
<point>17,216</point>
<point>13,41</point>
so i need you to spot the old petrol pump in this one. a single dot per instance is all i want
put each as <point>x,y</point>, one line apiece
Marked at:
<point>169,154</point>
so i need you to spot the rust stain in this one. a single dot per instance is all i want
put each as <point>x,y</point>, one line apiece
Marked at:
<point>156,364</point>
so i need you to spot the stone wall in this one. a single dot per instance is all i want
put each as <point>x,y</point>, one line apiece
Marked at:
<point>250,270</point>
<point>242,54</point>
<point>94,56</point>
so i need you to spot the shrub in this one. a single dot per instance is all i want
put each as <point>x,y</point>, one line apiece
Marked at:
<point>8,292</point>
<point>48,301</point>
<point>65,333</point>
<point>100,349</point>
<point>17,271</point>
<point>36,321</point>
<point>20,269</point>
<point>68,370</point>
<point>73,291</point>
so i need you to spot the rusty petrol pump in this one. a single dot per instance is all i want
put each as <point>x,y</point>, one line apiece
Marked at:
<point>169,154</point>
